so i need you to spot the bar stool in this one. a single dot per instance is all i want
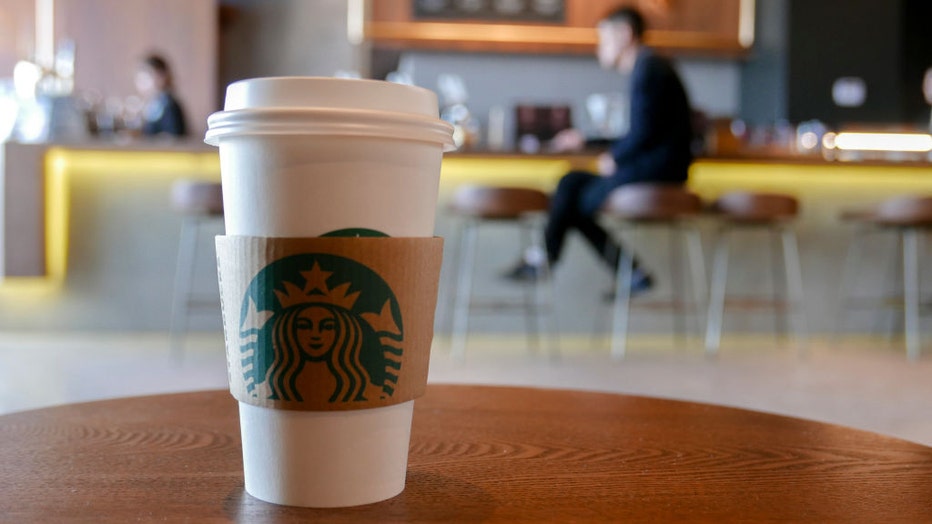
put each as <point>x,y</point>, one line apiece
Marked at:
<point>908,217</point>
<point>198,202</point>
<point>480,205</point>
<point>669,207</point>
<point>773,214</point>
<point>864,226</point>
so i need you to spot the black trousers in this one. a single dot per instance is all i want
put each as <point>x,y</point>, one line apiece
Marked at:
<point>574,205</point>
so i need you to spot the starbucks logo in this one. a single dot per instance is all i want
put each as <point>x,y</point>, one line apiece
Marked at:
<point>320,327</point>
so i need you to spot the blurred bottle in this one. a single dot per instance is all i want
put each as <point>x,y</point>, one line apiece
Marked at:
<point>46,109</point>
<point>809,136</point>
<point>608,115</point>
<point>453,96</point>
<point>495,134</point>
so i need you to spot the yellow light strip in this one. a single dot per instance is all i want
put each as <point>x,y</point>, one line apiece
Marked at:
<point>57,211</point>
<point>900,142</point>
<point>61,165</point>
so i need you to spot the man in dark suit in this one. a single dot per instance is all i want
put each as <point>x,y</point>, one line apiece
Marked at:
<point>656,148</point>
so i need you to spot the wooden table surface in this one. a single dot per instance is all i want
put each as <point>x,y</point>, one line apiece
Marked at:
<point>478,454</point>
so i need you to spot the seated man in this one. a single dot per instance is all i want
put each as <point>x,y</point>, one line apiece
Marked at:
<point>656,149</point>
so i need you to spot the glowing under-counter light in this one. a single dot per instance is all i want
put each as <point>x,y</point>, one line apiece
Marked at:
<point>895,142</point>
<point>57,213</point>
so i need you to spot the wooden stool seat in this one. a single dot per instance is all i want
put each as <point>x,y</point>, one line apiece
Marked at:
<point>498,203</point>
<point>652,202</point>
<point>667,206</point>
<point>742,206</point>
<point>197,197</point>
<point>904,211</point>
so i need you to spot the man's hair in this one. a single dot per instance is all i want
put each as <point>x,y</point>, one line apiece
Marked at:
<point>630,16</point>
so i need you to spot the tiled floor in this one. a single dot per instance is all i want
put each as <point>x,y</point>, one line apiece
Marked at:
<point>866,384</point>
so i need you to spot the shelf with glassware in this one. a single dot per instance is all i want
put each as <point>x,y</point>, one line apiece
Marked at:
<point>710,27</point>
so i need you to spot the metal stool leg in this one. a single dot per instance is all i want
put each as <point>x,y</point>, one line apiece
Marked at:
<point>184,274</point>
<point>696,269</point>
<point>531,295</point>
<point>622,306</point>
<point>911,291</point>
<point>677,268</point>
<point>449,290</point>
<point>545,306</point>
<point>779,269</point>
<point>849,273</point>
<point>794,281</point>
<point>468,232</point>
<point>692,269</point>
<point>551,311</point>
<point>599,321</point>
<point>896,322</point>
<point>713,332</point>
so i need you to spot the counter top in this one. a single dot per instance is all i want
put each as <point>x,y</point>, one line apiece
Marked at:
<point>191,144</point>
<point>576,158</point>
<point>763,156</point>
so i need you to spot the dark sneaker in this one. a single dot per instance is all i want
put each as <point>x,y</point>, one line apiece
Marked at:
<point>641,282</point>
<point>525,273</point>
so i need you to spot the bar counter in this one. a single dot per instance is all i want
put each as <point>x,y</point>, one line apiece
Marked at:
<point>89,235</point>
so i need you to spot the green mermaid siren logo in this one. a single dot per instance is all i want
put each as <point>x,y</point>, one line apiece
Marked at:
<point>317,326</point>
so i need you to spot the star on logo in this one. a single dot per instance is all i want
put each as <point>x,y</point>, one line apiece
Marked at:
<point>384,321</point>
<point>254,317</point>
<point>316,290</point>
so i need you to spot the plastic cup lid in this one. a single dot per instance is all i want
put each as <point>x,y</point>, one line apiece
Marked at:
<point>335,106</point>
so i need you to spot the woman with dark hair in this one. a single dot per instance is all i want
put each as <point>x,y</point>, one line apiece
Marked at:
<point>163,114</point>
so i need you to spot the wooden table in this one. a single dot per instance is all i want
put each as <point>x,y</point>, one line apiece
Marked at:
<point>478,454</point>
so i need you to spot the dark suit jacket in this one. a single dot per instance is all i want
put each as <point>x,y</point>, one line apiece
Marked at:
<point>657,147</point>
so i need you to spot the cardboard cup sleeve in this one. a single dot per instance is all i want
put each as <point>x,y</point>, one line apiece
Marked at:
<point>328,323</point>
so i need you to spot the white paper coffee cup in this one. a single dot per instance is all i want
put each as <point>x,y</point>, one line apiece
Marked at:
<point>305,157</point>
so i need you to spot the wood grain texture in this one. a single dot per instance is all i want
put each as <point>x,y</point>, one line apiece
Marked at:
<point>478,454</point>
